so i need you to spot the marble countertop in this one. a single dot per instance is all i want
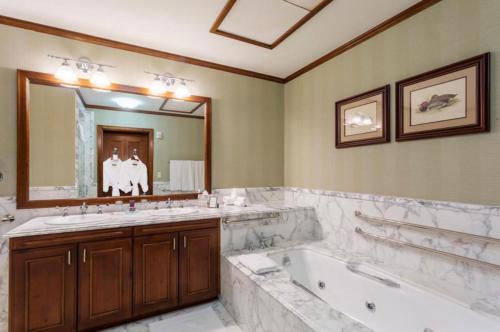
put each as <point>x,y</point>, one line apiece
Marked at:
<point>39,226</point>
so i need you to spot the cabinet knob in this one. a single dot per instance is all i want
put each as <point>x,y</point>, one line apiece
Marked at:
<point>174,243</point>
<point>69,257</point>
<point>84,255</point>
<point>185,241</point>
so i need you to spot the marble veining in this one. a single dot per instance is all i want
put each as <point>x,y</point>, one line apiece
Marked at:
<point>143,325</point>
<point>474,286</point>
<point>327,216</point>
<point>271,302</point>
<point>293,223</point>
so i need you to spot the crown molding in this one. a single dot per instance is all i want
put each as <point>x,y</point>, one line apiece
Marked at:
<point>69,34</point>
<point>398,18</point>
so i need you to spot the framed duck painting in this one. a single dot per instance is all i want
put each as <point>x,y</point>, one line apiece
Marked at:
<point>451,100</point>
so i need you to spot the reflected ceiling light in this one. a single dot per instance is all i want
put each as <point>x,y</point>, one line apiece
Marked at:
<point>126,102</point>
<point>65,73</point>
<point>182,90</point>
<point>99,79</point>
<point>162,82</point>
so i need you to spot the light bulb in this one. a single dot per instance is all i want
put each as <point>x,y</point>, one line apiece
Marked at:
<point>157,87</point>
<point>182,91</point>
<point>100,79</point>
<point>65,73</point>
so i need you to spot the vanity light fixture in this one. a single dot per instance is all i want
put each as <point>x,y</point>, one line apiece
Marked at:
<point>66,73</point>
<point>182,91</point>
<point>99,79</point>
<point>158,86</point>
<point>163,82</point>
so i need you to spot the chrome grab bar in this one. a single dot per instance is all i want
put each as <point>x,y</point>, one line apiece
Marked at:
<point>426,228</point>
<point>431,250</point>
<point>272,215</point>
<point>354,268</point>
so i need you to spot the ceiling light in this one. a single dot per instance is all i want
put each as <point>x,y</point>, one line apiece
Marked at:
<point>65,73</point>
<point>125,102</point>
<point>100,79</point>
<point>157,87</point>
<point>182,90</point>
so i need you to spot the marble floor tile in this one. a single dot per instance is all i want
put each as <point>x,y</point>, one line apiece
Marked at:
<point>143,325</point>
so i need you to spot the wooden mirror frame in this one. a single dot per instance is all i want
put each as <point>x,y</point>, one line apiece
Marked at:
<point>24,78</point>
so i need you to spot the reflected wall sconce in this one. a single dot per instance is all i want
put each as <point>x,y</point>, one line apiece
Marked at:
<point>86,66</point>
<point>164,82</point>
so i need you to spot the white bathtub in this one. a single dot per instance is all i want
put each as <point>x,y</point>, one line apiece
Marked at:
<point>396,309</point>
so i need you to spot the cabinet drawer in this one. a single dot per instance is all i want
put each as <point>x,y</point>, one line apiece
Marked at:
<point>38,241</point>
<point>176,226</point>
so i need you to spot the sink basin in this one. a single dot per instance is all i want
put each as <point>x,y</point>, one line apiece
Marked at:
<point>77,219</point>
<point>172,212</point>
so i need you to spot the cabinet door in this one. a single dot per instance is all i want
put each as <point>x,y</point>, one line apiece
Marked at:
<point>199,265</point>
<point>43,286</point>
<point>155,273</point>
<point>105,283</point>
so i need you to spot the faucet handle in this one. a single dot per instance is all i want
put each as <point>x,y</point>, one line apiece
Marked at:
<point>99,209</point>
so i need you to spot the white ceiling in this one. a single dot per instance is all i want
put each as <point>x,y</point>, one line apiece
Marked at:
<point>182,27</point>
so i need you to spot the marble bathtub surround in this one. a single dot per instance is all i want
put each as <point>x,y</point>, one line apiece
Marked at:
<point>271,302</point>
<point>469,284</point>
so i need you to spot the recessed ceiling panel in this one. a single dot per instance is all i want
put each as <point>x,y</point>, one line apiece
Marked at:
<point>265,23</point>
<point>128,102</point>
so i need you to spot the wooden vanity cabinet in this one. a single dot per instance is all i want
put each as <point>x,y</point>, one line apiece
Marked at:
<point>43,290</point>
<point>85,281</point>
<point>198,268</point>
<point>104,282</point>
<point>155,273</point>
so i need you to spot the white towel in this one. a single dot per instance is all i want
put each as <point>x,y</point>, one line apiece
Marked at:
<point>187,175</point>
<point>258,264</point>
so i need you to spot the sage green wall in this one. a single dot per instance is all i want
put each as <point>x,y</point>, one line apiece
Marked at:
<point>462,168</point>
<point>182,137</point>
<point>247,133</point>
<point>52,136</point>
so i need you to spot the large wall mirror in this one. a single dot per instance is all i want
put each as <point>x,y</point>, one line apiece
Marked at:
<point>80,144</point>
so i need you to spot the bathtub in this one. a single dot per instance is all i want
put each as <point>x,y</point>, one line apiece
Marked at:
<point>377,300</point>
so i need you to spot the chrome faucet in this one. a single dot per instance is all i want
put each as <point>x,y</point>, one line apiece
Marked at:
<point>264,240</point>
<point>99,209</point>
<point>84,208</point>
<point>169,203</point>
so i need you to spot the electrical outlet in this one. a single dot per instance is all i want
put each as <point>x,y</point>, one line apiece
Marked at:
<point>158,175</point>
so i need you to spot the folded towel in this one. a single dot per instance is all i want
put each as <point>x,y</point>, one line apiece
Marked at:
<point>240,201</point>
<point>258,264</point>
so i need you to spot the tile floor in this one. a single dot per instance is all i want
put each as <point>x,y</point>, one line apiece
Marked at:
<point>142,325</point>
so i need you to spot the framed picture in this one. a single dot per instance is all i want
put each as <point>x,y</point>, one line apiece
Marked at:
<point>363,119</point>
<point>451,100</point>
